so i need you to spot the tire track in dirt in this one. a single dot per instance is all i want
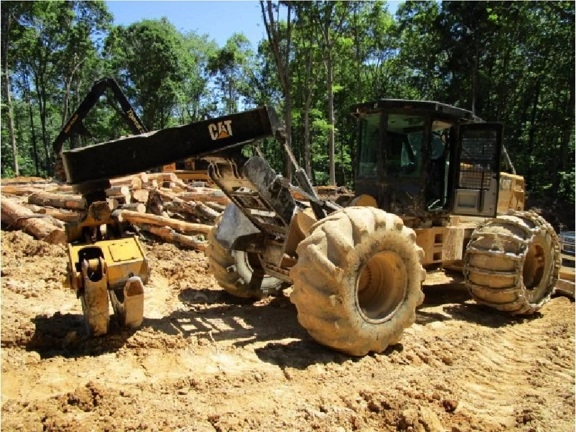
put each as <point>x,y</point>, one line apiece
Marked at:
<point>495,366</point>
<point>510,365</point>
<point>204,361</point>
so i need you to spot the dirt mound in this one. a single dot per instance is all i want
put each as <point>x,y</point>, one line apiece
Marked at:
<point>205,361</point>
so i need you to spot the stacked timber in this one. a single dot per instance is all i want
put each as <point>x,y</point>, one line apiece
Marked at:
<point>159,206</point>
<point>156,205</point>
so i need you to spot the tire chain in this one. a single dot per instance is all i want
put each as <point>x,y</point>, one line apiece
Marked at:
<point>520,305</point>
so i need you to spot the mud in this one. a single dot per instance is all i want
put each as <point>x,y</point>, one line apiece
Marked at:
<point>205,361</point>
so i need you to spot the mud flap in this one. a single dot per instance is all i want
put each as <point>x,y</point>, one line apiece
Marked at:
<point>130,311</point>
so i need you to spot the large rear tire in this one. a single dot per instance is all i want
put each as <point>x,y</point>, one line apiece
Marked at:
<point>239,273</point>
<point>511,263</point>
<point>358,280</point>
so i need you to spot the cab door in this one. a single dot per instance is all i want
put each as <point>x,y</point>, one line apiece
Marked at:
<point>477,169</point>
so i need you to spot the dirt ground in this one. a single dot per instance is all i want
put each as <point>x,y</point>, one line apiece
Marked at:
<point>204,361</point>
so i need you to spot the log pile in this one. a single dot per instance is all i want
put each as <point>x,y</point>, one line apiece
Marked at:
<point>157,205</point>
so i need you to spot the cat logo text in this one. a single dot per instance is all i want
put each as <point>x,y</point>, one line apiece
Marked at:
<point>220,130</point>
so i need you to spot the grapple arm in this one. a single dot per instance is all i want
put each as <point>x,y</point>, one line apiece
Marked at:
<point>133,154</point>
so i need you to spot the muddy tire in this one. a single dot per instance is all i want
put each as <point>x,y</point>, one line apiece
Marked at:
<point>511,263</point>
<point>239,273</point>
<point>358,280</point>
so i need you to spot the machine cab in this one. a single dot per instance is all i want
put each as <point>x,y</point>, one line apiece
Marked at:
<point>425,160</point>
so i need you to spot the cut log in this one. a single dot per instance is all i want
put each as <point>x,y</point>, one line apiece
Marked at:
<point>163,177</point>
<point>127,180</point>
<point>118,190</point>
<point>14,215</point>
<point>155,204</point>
<point>136,183</point>
<point>46,212</point>
<point>208,212</point>
<point>19,190</point>
<point>59,214</point>
<point>184,209</point>
<point>169,235</point>
<point>215,206</point>
<point>137,207</point>
<point>25,180</point>
<point>174,203</point>
<point>168,184</point>
<point>140,195</point>
<point>120,193</point>
<point>112,203</point>
<point>192,209</point>
<point>213,195</point>
<point>65,201</point>
<point>146,218</point>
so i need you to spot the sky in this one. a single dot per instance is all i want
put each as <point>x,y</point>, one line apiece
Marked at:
<point>217,19</point>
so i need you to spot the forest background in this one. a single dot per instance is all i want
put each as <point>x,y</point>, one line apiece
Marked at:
<point>511,62</point>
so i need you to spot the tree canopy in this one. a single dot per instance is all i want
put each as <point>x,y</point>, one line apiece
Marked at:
<point>507,61</point>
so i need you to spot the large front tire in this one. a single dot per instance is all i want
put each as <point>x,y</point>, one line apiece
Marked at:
<point>239,273</point>
<point>358,280</point>
<point>512,262</point>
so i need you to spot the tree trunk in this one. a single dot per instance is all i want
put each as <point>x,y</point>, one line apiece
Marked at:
<point>331,146</point>
<point>41,105</point>
<point>140,195</point>
<point>135,207</point>
<point>196,211</point>
<point>6,21</point>
<point>33,133</point>
<point>283,67</point>
<point>11,131</point>
<point>307,104</point>
<point>59,214</point>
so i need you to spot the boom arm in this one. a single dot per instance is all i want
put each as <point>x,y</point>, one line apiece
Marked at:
<point>251,184</point>
<point>74,123</point>
<point>133,154</point>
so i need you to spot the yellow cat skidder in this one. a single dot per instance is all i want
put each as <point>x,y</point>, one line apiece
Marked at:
<point>429,192</point>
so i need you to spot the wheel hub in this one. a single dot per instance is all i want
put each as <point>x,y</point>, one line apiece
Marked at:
<point>381,286</point>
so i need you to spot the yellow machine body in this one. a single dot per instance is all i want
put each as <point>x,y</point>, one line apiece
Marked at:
<point>445,245</point>
<point>124,258</point>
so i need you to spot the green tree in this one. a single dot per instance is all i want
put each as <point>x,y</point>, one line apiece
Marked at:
<point>10,12</point>
<point>230,68</point>
<point>279,39</point>
<point>45,59</point>
<point>194,102</point>
<point>150,61</point>
<point>512,62</point>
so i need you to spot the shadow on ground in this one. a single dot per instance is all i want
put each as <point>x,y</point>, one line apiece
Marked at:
<point>269,325</point>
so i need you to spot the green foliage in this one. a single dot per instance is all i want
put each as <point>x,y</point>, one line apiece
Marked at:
<point>508,61</point>
<point>230,67</point>
<point>44,63</point>
<point>149,58</point>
